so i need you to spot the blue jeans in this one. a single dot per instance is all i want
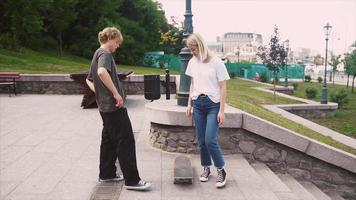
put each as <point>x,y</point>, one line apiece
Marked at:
<point>205,114</point>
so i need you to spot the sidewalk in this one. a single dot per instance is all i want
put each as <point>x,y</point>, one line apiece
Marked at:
<point>49,150</point>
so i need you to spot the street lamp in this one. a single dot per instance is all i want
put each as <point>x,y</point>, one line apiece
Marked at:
<point>286,45</point>
<point>324,97</point>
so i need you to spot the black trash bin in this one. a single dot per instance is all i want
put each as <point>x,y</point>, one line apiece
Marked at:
<point>152,87</point>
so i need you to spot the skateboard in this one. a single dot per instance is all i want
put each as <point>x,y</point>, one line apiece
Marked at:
<point>183,172</point>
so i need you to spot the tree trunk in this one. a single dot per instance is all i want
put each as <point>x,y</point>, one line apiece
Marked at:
<point>330,75</point>
<point>348,76</point>
<point>60,43</point>
<point>333,78</point>
<point>353,84</point>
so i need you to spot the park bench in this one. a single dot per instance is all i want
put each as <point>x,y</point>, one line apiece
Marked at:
<point>89,100</point>
<point>9,79</point>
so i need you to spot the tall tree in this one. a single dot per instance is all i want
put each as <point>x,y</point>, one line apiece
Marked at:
<point>274,55</point>
<point>350,60</point>
<point>334,62</point>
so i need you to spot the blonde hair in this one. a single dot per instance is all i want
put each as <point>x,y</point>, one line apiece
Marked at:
<point>197,41</point>
<point>109,33</point>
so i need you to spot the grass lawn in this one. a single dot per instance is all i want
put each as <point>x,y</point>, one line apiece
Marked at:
<point>344,120</point>
<point>34,62</point>
<point>243,95</point>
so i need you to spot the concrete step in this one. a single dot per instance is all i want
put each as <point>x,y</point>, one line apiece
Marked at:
<point>315,191</point>
<point>335,196</point>
<point>274,183</point>
<point>249,182</point>
<point>296,187</point>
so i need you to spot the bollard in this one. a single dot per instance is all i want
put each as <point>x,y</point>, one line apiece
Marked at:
<point>168,88</point>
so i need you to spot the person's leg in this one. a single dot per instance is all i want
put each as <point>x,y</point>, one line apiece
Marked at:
<point>211,134</point>
<point>107,168</point>
<point>200,122</point>
<point>126,149</point>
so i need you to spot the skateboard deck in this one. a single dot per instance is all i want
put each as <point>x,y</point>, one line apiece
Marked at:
<point>183,172</point>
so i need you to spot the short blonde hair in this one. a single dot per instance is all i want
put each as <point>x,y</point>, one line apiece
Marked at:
<point>197,41</point>
<point>109,33</point>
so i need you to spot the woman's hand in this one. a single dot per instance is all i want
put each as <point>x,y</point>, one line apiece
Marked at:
<point>221,117</point>
<point>189,111</point>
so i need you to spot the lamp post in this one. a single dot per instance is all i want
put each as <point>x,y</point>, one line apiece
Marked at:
<point>185,54</point>
<point>324,97</point>
<point>286,45</point>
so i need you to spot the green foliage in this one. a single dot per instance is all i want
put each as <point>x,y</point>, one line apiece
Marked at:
<point>73,25</point>
<point>319,79</point>
<point>339,97</point>
<point>307,78</point>
<point>232,74</point>
<point>264,77</point>
<point>310,93</point>
<point>295,86</point>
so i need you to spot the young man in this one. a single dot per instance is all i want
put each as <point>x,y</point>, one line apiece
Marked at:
<point>117,140</point>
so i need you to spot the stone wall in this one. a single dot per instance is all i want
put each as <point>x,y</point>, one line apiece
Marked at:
<point>62,84</point>
<point>280,158</point>
<point>314,113</point>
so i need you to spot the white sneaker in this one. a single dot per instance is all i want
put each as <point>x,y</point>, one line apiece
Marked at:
<point>204,177</point>
<point>221,181</point>
<point>116,178</point>
<point>141,185</point>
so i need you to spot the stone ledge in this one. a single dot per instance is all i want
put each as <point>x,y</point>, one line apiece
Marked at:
<point>167,112</point>
<point>318,106</point>
<point>45,78</point>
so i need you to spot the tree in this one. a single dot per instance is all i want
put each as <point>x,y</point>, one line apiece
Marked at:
<point>61,15</point>
<point>350,60</point>
<point>274,55</point>
<point>334,62</point>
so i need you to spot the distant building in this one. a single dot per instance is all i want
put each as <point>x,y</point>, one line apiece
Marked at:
<point>216,47</point>
<point>241,46</point>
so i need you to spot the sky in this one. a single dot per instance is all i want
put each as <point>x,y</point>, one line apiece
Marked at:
<point>300,21</point>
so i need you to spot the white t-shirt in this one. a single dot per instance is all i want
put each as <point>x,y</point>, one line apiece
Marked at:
<point>206,77</point>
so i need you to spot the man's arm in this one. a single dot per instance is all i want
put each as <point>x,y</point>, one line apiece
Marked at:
<point>90,85</point>
<point>106,79</point>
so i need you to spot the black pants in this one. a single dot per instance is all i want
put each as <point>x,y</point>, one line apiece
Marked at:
<point>117,141</point>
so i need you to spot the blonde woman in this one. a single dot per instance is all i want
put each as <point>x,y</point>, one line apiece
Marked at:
<point>207,99</point>
<point>117,140</point>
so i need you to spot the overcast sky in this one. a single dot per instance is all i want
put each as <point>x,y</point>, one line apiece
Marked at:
<point>300,21</point>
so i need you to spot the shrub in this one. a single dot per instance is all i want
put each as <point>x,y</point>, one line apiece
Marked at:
<point>295,86</point>
<point>339,97</point>
<point>232,75</point>
<point>307,78</point>
<point>310,93</point>
<point>264,77</point>
<point>320,79</point>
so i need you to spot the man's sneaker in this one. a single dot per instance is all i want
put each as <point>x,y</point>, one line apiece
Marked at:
<point>116,178</point>
<point>141,185</point>
<point>221,181</point>
<point>204,177</point>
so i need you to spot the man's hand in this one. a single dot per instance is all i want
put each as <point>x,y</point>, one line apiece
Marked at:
<point>119,101</point>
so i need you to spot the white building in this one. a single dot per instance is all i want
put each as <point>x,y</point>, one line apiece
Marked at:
<point>241,46</point>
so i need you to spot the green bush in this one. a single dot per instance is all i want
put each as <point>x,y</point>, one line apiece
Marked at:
<point>320,79</point>
<point>295,86</point>
<point>310,93</point>
<point>339,97</point>
<point>232,74</point>
<point>264,77</point>
<point>307,78</point>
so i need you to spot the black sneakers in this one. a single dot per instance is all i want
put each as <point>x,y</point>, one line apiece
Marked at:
<point>221,180</point>
<point>141,185</point>
<point>116,178</point>
<point>204,177</point>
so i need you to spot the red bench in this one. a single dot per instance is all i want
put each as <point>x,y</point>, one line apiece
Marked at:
<point>9,79</point>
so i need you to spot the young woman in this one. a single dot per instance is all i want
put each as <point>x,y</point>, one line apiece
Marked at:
<point>207,98</point>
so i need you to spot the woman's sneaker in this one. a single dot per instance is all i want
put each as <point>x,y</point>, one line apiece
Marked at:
<point>221,181</point>
<point>204,177</point>
<point>141,185</point>
<point>116,178</point>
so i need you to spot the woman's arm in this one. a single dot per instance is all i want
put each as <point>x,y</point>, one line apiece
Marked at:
<point>221,114</point>
<point>189,107</point>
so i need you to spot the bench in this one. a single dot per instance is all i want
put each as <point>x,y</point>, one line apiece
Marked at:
<point>89,100</point>
<point>9,79</point>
